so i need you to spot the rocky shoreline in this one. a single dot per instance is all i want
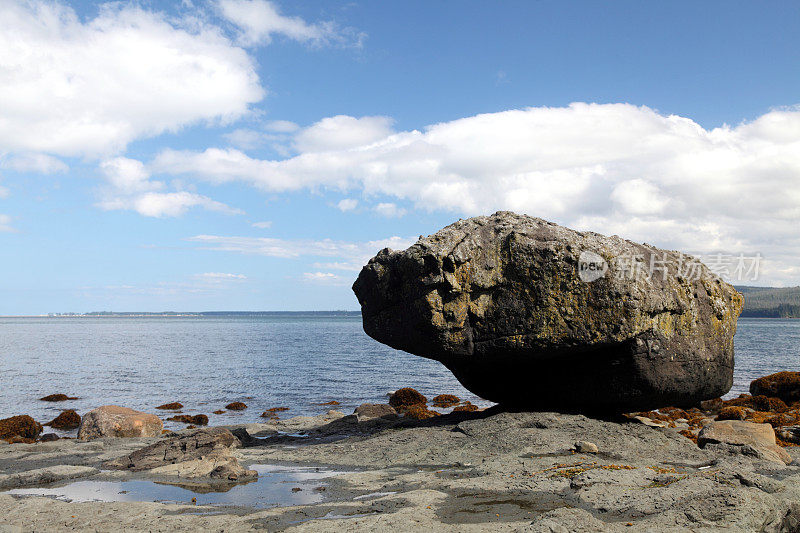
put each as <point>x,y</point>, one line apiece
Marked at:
<point>406,467</point>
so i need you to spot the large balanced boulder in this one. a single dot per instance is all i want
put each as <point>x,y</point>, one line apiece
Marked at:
<point>116,421</point>
<point>534,315</point>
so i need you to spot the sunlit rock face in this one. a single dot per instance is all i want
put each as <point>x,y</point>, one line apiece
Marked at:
<point>533,315</point>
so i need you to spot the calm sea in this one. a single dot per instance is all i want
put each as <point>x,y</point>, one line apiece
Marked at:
<point>295,362</point>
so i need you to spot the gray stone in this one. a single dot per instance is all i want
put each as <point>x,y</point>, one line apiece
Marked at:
<point>116,421</point>
<point>747,438</point>
<point>202,453</point>
<point>366,411</point>
<point>507,304</point>
<point>583,446</point>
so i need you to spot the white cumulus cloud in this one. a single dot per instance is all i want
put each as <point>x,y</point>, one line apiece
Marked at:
<point>72,87</point>
<point>612,168</point>
<point>342,132</point>
<point>130,188</point>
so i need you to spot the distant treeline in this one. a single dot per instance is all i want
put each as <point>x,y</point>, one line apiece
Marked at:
<point>768,302</point>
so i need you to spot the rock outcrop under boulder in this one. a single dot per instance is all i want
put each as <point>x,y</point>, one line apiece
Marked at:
<point>116,421</point>
<point>202,453</point>
<point>531,314</point>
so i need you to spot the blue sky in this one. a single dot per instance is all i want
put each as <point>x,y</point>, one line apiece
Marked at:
<point>251,155</point>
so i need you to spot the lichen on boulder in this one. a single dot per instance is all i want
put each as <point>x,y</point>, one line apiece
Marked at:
<point>504,301</point>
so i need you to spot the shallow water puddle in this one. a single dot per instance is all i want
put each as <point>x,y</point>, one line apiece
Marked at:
<point>276,486</point>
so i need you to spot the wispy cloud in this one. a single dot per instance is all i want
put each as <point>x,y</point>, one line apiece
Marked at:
<point>259,20</point>
<point>5,224</point>
<point>347,255</point>
<point>324,278</point>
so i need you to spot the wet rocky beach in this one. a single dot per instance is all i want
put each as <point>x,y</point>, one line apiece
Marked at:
<point>407,467</point>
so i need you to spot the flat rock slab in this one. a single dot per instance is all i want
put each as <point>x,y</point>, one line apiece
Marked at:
<point>40,476</point>
<point>738,433</point>
<point>176,449</point>
<point>202,453</point>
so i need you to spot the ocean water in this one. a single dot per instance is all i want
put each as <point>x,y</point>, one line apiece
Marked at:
<point>296,362</point>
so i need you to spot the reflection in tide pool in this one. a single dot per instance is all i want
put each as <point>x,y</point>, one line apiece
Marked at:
<point>275,486</point>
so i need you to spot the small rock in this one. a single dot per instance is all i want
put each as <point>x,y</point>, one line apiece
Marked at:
<point>219,412</point>
<point>332,402</point>
<point>174,406</point>
<point>66,420</point>
<point>296,489</point>
<point>711,406</point>
<point>583,446</point>
<point>22,426</point>
<point>648,422</point>
<point>48,437</point>
<point>57,398</point>
<point>236,406</point>
<point>467,407</point>
<point>789,434</point>
<point>116,421</point>
<point>367,411</point>
<point>272,410</point>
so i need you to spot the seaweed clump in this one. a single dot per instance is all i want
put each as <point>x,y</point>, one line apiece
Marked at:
<point>173,406</point>
<point>197,420</point>
<point>66,420</point>
<point>407,397</point>
<point>445,400</point>
<point>19,427</point>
